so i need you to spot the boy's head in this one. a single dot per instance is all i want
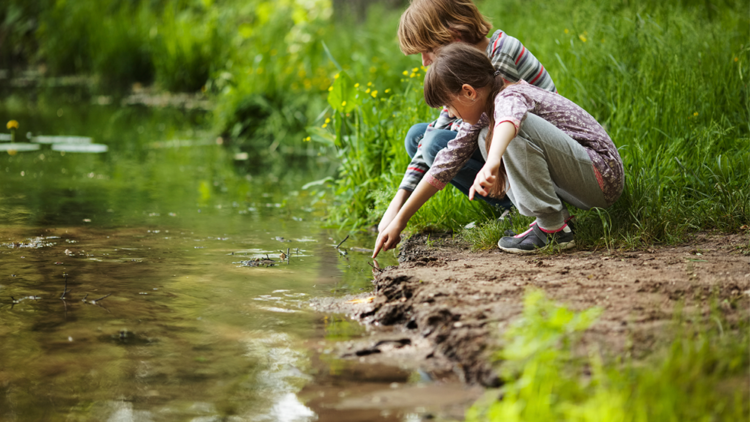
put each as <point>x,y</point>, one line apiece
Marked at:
<point>429,24</point>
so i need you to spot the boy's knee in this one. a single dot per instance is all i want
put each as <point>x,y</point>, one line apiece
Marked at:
<point>414,137</point>
<point>434,142</point>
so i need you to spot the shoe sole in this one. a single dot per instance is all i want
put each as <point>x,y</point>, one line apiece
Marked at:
<point>566,246</point>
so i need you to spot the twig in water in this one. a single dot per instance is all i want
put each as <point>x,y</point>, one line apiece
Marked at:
<point>101,298</point>
<point>65,290</point>
<point>84,298</point>
<point>342,242</point>
<point>287,256</point>
<point>374,267</point>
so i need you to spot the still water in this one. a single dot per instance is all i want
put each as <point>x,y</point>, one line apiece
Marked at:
<point>122,291</point>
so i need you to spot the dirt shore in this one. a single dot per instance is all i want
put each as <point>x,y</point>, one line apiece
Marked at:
<point>442,310</point>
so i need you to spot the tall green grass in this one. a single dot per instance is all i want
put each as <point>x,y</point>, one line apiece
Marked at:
<point>668,80</point>
<point>701,376</point>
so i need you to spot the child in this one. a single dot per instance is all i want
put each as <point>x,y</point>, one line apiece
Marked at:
<point>543,149</point>
<point>425,26</point>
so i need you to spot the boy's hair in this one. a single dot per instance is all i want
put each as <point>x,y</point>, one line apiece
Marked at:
<point>458,64</point>
<point>426,24</point>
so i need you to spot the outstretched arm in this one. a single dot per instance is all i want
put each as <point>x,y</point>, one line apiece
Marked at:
<point>389,238</point>
<point>501,137</point>
<point>393,208</point>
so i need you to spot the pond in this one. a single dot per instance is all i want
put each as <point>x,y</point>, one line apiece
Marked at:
<point>123,294</point>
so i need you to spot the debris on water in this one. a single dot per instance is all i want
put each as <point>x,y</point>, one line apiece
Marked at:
<point>297,219</point>
<point>142,293</point>
<point>362,300</point>
<point>342,242</point>
<point>258,262</point>
<point>69,252</point>
<point>86,220</point>
<point>361,250</point>
<point>281,239</point>
<point>342,252</point>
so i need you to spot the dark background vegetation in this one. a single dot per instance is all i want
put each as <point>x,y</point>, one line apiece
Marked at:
<point>669,80</point>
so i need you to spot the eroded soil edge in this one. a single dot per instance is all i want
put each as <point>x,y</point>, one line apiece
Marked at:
<point>443,308</point>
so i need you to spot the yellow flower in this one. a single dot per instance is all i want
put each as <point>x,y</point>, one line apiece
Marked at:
<point>415,70</point>
<point>695,114</point>
<point>328,120</point>
<point>330,88</point>
<point>566,30</point>
<point>367,91</point>
<point>387,90</point>
<point>736,59</point>
<point>582,38</point>
<point>336,77</point>
<point>12,124</point>
<point>369,84</point>
<point>356,85</point>
<point>405,72</point>
<point>343,103</point>
<point>412,75</point>
<point>306,139</point>
<point>325,125</point>
<point>374,94</point>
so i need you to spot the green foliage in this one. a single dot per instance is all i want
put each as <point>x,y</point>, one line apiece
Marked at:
<point>695,379</point>
<point>673,98</point>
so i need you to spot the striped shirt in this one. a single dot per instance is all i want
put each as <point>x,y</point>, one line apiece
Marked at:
<point>515,62</point>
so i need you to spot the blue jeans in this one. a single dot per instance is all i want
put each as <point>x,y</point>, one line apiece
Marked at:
<point>436,140</point>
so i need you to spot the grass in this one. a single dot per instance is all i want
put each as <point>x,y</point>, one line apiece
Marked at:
<point>701,376</point>
<point>677,110</point>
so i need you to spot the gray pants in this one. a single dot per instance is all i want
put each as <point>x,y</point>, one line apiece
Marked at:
<point>546,167</point>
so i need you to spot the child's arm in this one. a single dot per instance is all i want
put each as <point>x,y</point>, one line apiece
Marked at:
<point>393,208</point>
<point>501,137</point>
<point>389,238</point>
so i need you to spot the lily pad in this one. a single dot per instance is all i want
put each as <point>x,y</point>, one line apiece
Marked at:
<point>91,148</point>
<point>19,146</point>
<point>62,140</point>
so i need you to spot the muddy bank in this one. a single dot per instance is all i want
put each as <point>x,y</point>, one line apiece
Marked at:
<point>443,308</point>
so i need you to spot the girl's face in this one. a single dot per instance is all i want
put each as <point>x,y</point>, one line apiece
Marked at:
<point>467,105</point>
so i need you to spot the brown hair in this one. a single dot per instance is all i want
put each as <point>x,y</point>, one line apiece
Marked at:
<point>426,25</point>
<point>458,64</point>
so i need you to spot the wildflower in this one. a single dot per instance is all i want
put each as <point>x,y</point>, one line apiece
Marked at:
<point>582,38</point>
<point>695,114</point>
<point>736,59</point>
<point>343,103</point>
<point>369,84</point>
<point>387,90</point>
<point>374,94</point>
<point>367,91</point>
<point>306,139</point>
<point>336,77</point>
<point>325,125</point>
<point>356,85</point>
<point>415,70</point>
<point>566,30</point>
<point>412,75</point>
<point>405,72</point>
<point>330,88</point>
<point>328,120</point>
<point>12,124</point>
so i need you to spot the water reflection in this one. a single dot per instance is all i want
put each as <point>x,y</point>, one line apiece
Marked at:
<point>122,294</point>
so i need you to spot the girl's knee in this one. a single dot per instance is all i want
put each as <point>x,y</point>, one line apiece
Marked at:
<point>434,142</point>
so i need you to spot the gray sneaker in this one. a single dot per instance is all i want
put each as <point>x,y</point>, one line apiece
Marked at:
<point>535,239</point>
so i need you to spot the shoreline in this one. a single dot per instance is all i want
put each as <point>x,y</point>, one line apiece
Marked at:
<point>442,310</point>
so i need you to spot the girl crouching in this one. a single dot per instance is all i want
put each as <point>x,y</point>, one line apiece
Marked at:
<point>542,150</point>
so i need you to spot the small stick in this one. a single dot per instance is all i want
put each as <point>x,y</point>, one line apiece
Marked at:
<point>287,256</point>
<point>342,242</point>
<point>65,290</point>
<point>374,267</point>
<point>103,297</point>
<point>84,298</point>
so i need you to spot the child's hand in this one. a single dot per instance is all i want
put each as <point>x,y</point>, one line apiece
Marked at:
<point>483,182</point>
<point>388,238</point>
